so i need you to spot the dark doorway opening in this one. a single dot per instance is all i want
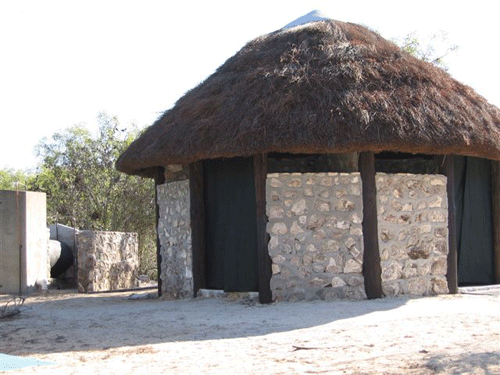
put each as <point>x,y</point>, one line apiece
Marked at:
<point>230,225</point>
<point>473,213</point>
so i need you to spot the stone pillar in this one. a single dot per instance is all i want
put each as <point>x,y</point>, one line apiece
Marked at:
<point>174,231</point>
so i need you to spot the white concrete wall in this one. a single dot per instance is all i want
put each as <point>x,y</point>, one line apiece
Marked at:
<point>9,242</point>
<point>64,234</point>
<point>37,239</point>
<point>67,235</point>
<point>23,239</point>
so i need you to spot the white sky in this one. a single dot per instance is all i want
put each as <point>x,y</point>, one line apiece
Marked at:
<point>61,62</point>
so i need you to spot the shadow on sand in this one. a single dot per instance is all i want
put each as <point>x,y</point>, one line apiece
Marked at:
<point>468,363</point>
<point>103,321</point>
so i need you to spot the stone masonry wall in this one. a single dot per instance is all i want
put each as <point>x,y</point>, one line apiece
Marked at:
<point>176,172</point>
<point>107,260</point>
<point>174,231</point>
<point>316,238</point>
<point>413,233</point>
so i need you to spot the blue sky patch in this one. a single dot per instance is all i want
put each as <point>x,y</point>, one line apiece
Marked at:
<point>11,362</point>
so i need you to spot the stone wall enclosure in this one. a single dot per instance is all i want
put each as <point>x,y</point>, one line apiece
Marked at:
<point>413,233</point>
<point>316,239</point>
<point>107,260</point>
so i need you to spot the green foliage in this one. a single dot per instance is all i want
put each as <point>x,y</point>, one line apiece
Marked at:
<point>11,179</point>
<point>433,49</point>
<point>84,190</point>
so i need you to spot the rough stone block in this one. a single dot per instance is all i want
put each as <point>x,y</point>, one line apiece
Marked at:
<point>353,266</point>
<point>391,288</point>
<point>334,293</point>
<point>337,282</point>
<point>327,181</point>
<point>437,216</point>
<point>319,281</point>
<point>418,286</point>
<point>299,207</point>
<point>397,252</point>
<point>322,206</point>
<point>439,267</point>
<point>344,205</point>
<point>276,183</point>
<point>279,229</point>
<point>355,293</point>
<point>355,281</point>
<point>273,243</point>
<point>276,212</point>
<point>391,270</point>
<point>296,229</point>
<point>356,231</point>
<point>295,182</point>
<point>410,270</point>
<point>418,252</point>
<point>334,265</point>
<point>439,285</point>
<point>315,221</point>
<point>441,181</point>
<point>324,193</point>
<point>279,259</point>
<point>319,257</point>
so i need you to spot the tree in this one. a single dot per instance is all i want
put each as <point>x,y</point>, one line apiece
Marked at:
<point>433,49</point>
<point>11,179</point>
<point>84,189</point>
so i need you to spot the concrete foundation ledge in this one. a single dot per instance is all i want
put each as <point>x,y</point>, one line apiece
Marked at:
<point>216,293</point>
<point>484,289</point>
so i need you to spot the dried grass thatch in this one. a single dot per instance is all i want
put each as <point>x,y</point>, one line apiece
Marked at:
<point>324,87</point>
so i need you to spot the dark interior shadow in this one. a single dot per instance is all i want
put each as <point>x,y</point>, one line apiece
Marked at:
<point>104,321</point>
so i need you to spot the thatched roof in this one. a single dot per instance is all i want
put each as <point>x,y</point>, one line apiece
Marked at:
<point>324,87</point>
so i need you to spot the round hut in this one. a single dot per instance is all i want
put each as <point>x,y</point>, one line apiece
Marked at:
<point>319,162</point>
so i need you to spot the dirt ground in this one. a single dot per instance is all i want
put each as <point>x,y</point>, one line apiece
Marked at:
<point>111,334</point>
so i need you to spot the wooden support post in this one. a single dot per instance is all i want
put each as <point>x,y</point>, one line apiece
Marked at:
<point>263,258</point>
<point>372,272</point>
<point>159,180</point>
<point>495,194</point>
<point>452,272</point>
<point>197,225</point>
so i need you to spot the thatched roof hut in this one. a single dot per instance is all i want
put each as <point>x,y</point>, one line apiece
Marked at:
<point>320,100</point>
<point>323,87</point>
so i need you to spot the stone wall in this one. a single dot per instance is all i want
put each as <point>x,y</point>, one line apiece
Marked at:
<point>413,233</point>
<point>174,231</point>
<point>176,172</point>
<point>106,260</point>
<point>316,238</point>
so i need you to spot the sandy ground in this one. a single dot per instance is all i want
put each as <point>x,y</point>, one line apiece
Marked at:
<point>110,334</point>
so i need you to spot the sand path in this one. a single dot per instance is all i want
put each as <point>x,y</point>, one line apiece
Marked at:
<point>110,334</point>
